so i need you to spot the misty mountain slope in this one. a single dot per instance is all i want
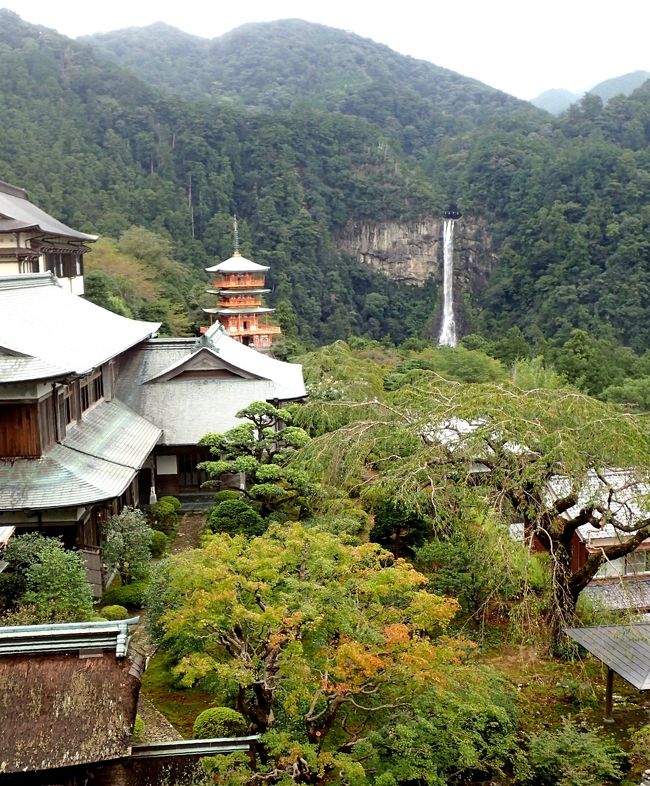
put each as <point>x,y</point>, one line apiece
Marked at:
<point>561,204</point>
<point>279,65</point>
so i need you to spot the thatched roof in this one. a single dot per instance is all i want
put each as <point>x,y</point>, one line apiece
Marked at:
<point>60,709</point>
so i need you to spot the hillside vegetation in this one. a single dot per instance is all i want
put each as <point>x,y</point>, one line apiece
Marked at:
<point>370,136</point>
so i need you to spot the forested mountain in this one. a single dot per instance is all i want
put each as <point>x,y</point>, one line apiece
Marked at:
<point>313,135</point>
<point>558,100</point>
<point>102,151</point>
<point>283,64</point>
<point>620,85</point>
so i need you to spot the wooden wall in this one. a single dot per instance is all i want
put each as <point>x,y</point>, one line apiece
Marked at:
<point>19,431</point>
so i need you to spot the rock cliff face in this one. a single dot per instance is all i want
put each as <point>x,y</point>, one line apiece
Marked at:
<point>412,252</point>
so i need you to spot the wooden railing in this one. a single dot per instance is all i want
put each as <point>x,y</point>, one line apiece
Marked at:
<point>227,282</point>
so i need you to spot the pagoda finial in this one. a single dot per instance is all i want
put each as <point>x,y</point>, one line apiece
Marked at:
<point>235,233</point>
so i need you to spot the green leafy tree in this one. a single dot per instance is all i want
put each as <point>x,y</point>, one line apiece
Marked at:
<point>260,449</point>
<point>550,459</point>
<point>127,544</point>
<point>44,582</point>
<point>320,644</point>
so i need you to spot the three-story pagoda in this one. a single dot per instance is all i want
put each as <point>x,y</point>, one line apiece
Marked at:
<point>239,285</point>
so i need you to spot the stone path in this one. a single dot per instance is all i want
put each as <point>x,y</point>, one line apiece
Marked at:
<point>157,727</point>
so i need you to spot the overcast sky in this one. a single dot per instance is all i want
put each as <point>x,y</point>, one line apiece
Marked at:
<point>520,46</point>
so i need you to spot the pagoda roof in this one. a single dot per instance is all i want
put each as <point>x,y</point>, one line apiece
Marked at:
<point>237,292</point>
<point>235,310</point>
<point>18,213</point>
<point>47,331</point>
<point>237,264</point>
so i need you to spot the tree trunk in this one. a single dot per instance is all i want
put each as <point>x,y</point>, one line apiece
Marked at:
<point>563,613</point>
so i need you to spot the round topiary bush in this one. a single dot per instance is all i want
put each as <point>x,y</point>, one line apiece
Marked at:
<point>131,595</point>
<point>163,515</point>
<point>159,543</point>
<point>219,722</point>
<point>114,612</point>
<point>234,516</point>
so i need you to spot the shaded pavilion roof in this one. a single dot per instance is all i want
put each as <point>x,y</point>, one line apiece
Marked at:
<point>623,648</point>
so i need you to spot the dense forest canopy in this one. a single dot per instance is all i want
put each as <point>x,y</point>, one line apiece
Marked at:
<point>376,137</point>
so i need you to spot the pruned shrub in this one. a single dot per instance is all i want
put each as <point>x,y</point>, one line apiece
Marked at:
<point>114,612</point>
<point>570,756</point>
<point>163,515</point>
<point>159,543</point>
<point>219,722</point>
<point>131,595</point>
<point>222,496</point>
<point>234,516</point>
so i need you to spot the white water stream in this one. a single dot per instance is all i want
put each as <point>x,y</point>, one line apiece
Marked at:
<point>448,329</point>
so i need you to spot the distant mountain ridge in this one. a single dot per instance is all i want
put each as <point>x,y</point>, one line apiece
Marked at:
<point>366,144</point>
<point>557,100</point>
<point>276,65</point>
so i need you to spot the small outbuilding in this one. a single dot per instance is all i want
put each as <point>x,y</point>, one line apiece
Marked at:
<point>624,649</point>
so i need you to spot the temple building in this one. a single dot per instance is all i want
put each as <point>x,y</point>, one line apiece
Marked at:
<point>190,387</point>
<point>239,285</point>
<point>31,241</point>
<point>70,451</point>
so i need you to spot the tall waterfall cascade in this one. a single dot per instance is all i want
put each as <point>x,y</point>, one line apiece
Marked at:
<point>448,329</point>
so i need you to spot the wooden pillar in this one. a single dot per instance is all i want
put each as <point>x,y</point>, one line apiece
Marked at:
<point>609,687</point>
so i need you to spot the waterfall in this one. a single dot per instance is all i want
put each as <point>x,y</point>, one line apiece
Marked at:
<point>448,329</point>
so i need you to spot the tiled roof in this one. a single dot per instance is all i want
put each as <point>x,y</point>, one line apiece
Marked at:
<point>59,330</point>
<point>286,376</point>
<point>624,648</point>
<point>236,264</point>
<point>186,409</point>
<point>15,205</point>
<point>619,594</point>
<point>97,460</point>
<point>20,368</point>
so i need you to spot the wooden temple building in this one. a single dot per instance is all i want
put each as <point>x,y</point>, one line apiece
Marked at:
<point>239,285</point>
<point>70,450</point>
<point>31,241</point>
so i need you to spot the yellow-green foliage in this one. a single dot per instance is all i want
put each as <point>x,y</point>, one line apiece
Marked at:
<point>139,278</point>
<point>219,722</point>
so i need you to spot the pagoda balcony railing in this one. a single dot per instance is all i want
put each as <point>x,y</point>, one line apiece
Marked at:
<point>254,330</point>
<point>227,282</point>
<point>238,302</point>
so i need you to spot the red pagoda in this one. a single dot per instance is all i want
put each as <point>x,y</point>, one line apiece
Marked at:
<point>239,286</point>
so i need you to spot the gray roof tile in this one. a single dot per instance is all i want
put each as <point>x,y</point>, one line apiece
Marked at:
<point>97,460</point>
<point>42,321</point>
